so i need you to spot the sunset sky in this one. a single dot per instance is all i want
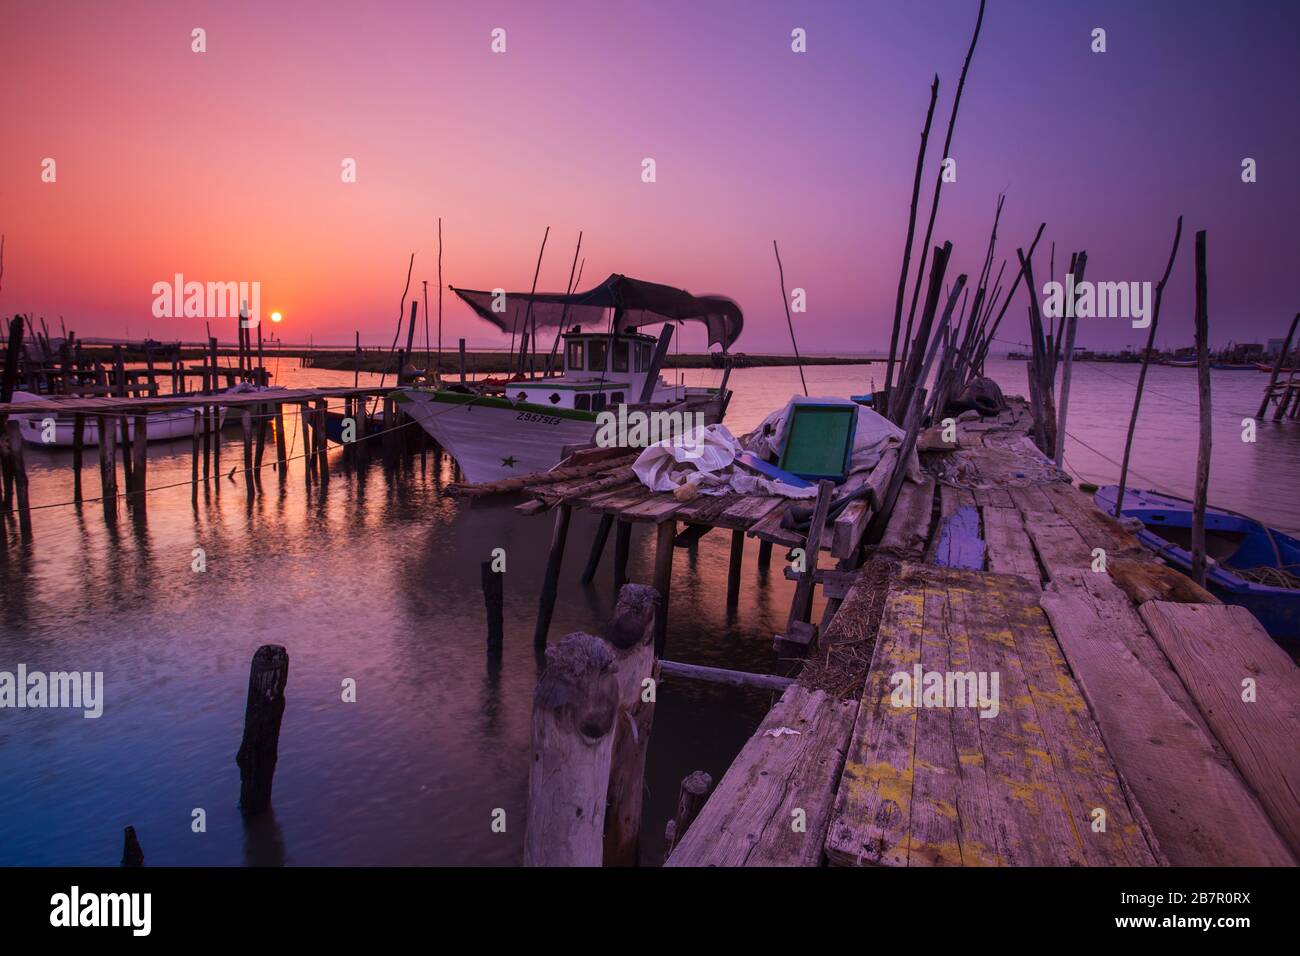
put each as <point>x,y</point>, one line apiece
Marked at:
<point>225,165</point>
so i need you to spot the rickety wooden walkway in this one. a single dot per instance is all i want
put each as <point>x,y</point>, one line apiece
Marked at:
<point>1120,691</point>
<point>110,405</point>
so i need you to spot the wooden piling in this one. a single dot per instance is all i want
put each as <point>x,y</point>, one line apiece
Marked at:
<point>550,586</point>
<point>107,466</point>
<point>322,443</point>
<point>663,579</point>
<point>631,634</point>
<point>691,797</point>
<point>1277,368</point>
<point>304,415</point>
<point>132,853</point>
<point>764,555</point>
<point>281,448</point>
<point>622,545</point>
<point>574,710</point>
<point>78,450</point>
<point>597,548</point>
<point>246,424</point>
<point>195,438</point>
<point>1203,445</point>
<point>20,476</point>
<point>733,567</point>
<point>494,602</point>
<point>462,361</point>
<point>263,713</point>
<point>140,464</point>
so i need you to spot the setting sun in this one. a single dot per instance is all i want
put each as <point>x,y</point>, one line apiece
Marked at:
<point>276,316</point>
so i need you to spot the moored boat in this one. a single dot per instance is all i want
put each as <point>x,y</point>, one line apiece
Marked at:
<point>528,423</point>
<point>160,426</point>
<point>1250,564</point>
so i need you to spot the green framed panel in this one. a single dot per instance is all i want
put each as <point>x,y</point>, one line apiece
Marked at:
<point>819,440</point>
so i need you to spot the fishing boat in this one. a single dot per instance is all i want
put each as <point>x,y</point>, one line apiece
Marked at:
<point>1233,366</point>
<point>1182,363</point>
<point>1250,564</point>
<point>530,421</point>
<point>164,425</point>
<point>1266,367</point>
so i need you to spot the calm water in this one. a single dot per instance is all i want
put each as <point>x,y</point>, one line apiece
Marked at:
<point>378,582</point>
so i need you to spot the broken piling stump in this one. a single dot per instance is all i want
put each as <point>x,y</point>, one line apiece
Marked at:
<point>262,715</point>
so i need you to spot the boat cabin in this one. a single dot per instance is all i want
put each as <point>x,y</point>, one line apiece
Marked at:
<point>599,371</point>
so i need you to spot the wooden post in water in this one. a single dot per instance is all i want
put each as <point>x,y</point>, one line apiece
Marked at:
<point>666,533</point>
<point>123,433</point>
<point>78,449</point>
<point>462,361</point>
<point>20,476</point>
<point>1146,361</point>
<point>494,602</point>
<point>322,444</point>
<point>691,798</point>
<point>132,853</point>
<point>764,555</point>
<point>281,448</point>
<point>141,464</point>
<point>551,583</point>
<point>107,466</point>
<point>260,747</point>
<point>246,423</point>
<point>194,455</point>
<point>1277,368</point>
<point>597,548</point>
<point>304,414</point>
<point>1203,446</point>
<point>574,710</point>
<point>733,567</point>
<point>631,632</point>
<point>622,545</point>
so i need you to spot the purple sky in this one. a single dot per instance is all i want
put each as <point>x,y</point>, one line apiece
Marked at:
<point>225,165</point>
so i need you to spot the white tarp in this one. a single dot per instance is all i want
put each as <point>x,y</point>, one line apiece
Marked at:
<point>704,457</point>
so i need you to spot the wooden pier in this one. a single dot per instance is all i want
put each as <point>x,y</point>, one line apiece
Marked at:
<point>1137,720</point>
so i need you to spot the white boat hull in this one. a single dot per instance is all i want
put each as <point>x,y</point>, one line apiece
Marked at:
<point>492,439</point>
<point>162,426</point>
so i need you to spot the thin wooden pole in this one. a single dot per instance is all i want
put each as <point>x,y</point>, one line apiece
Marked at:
<point>789,321</point>
<point>141,464</point>
<point>1071,326</point>
<point>322,443</point>
<point>246,422</point>
<point>550,586</point>
<point>194,455</point>
<point>1203,446</point>
<point>107,467</point>
<point>1146,362</point>
<point>883,407</point>
<point>281,447</point>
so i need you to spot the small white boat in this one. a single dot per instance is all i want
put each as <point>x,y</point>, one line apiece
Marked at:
<point>54,430</point>
<point>510,427</point>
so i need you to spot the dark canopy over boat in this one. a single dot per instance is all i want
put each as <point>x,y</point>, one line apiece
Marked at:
<point>634,301</point>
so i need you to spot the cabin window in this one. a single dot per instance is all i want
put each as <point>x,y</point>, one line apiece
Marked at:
<point>598,402</point>
<point>574,361</point>
<point>597,355</point>
<point>616,398</point>
<point>620,356</point>
<point>582,403</point>
<point>642,357</point>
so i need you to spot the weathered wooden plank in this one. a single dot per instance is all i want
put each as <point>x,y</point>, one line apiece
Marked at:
<point>873,806</point>
<point>1007,542</point>
<point>772,806</point>
<point>848,528</point>
<point>1199,809</point>
<point>909,525</point>
<point>996,497</point>
<point>1148,579</point>
<point>655,509</point>
<point>1216,649</point>
<point>1084,771</point>
<point>1097,530</point>
<point>1031,499</point>
<point>1060,549</point>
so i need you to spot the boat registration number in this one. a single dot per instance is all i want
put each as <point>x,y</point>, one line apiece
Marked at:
<point>537,419</point>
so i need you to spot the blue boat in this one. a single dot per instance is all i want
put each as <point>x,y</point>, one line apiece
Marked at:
<point>1254,566</point>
